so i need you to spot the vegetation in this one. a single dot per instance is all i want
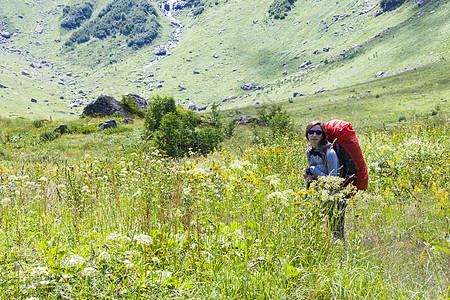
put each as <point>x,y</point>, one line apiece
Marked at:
<point>103,215</point>
<point>179,132</point>
<point>135,19</point>
<point>279,8</point>
<point>74,16</point>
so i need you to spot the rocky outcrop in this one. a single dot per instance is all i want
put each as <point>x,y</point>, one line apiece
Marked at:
<point>141,102</point>
<point>105,105</point>
<point>246,119</point>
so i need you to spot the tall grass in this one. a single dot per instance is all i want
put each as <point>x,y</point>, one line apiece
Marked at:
<point>238,223</point>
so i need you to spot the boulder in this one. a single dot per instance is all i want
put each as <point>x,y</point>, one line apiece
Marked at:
<point>128,121</point>
<point>305,64</point>
<point>33,100</point>
<point>246,119</point>
<point>192,106</point>
<point>108,124</point>
<point>141,102</point>
<point>5,34</point>
<point>38,29</point>
<point>248,86</point>
<point>160,50</point>
<point>36,65</point>
<point>298,94</point>
<point>3,86</point>
<point>62,129</point>
<point>104,105</point>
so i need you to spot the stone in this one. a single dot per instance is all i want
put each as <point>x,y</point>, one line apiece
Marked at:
<point>141,102</point>
<point>108,124</point>
<point>33,100</point>
<point>246,119</point>
<point>3,86</point>
<point>104,105</point>
<point>62,129</point>
<point>298,94</point>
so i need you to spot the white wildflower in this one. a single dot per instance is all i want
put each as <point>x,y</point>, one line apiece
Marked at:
<point>37,271</point>
<point>104,255</point>
<point>43,179</point>
<point>128,264</point>
<point>44,282</point>
<point>87,156</point>
<point>277,195</point>
<point>156,260</point>
<point>74,260</point>
<point>89,271</point>
<point>143,239</point>
<point>5,201</point>
<point>118,238</point>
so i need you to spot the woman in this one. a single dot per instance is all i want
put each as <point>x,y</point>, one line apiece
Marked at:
<point>323,161</point>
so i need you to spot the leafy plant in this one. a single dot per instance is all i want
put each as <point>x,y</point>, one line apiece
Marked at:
<point>129,104</point>
<point>279,8</point>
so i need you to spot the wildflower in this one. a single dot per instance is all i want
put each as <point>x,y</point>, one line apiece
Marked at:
<point>143,239</point>
<point>44,282</point>
<point>5,201</point>
<point>156,260</point>
<point>39,271</point>
<point>89,271</point>
<point>118,238</point>
<point>74,261</point>
<point>128,264</point>
<point>43,179</point>
<point>104,255</point>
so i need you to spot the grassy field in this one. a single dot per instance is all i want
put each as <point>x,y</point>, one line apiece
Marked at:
<point>103,215</point>
<point>230,44</point>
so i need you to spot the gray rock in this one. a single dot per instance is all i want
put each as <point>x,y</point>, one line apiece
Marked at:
<point>141,102</point>
<point>246,119</point>
<point>5,34</point>
<point>298,94</point>
<point>192,106</point>
<point>36,65</point>
<point>305,64</point>
<point>248,86</point>
<point>62,129</point>
<point>108,124</point>
<point>128,121</point>
<point>105,105</point>
<point>3,86</point>
<point>160,50</point>
<point>33,100</point>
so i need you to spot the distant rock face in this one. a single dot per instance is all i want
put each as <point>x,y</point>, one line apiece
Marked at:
<point>104,105</point>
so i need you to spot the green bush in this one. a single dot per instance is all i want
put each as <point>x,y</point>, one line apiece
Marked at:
<point>178,131</point>
<point>279,8</point>
<point>74,16</point>
<point>136,19</point>
<point>157,108</point>
<point>49,136</point>
<point>276,118</point>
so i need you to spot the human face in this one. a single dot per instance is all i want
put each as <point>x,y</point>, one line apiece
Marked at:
<point>315,138</point>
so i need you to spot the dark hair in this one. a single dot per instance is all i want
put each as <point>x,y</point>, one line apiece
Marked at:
<point>323,141</point>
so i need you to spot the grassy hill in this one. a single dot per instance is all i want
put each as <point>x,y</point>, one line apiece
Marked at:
<point>232,43</point>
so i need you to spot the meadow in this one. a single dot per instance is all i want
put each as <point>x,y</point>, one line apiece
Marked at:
<point>104,215</point>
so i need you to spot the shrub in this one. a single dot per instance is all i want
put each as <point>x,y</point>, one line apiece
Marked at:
<point>49,136</point>
<point>157,108</point>
<point>276,118</point>
<point>279,8</point>
<point>136,19</point>
<point>74,16</point>
<point>178,131</point>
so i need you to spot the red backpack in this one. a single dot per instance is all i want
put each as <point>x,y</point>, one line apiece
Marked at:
<point>343,137</point>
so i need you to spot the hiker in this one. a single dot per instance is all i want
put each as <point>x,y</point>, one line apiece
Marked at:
<point>323,161</point>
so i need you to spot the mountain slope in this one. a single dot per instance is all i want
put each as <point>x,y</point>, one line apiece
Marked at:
<point>232,44</point>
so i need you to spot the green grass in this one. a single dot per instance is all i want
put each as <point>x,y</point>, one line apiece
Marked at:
<point>231,43</point>
<point>102,215</point>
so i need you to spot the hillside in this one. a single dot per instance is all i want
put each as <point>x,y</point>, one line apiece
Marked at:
<point>232,54</point>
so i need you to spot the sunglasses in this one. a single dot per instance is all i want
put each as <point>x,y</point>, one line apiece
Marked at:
<point>318,132</point>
